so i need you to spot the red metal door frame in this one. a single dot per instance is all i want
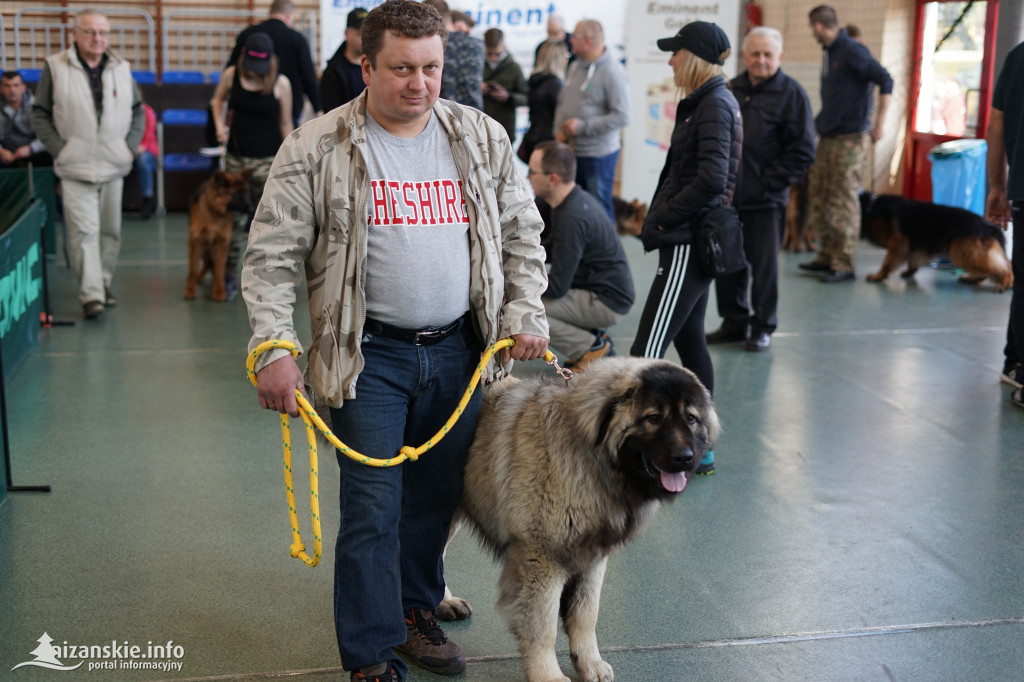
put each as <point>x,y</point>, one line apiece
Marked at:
<point>917,178</point>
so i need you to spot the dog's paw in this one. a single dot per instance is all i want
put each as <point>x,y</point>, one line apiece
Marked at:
<point>875,277</point>
<point>189,294</point>
<point>453,608</point>
<point>596,671</point>
<point>908,274</point>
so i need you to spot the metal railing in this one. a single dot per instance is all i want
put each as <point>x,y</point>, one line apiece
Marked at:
<point>202,40</point>
<point>37,35</point>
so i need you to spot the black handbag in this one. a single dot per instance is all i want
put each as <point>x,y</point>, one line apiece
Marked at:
<point>720,242</point>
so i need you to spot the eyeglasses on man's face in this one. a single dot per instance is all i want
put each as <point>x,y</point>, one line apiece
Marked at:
<point>93,33</point>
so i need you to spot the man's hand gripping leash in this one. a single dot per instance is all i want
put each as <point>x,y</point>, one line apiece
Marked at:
<point>281,390</point>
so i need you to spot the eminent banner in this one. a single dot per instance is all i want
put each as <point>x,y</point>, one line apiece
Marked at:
<point>652,89</point>
<point>21,286</point>
<point>524,22</point>
<point>631,27</point>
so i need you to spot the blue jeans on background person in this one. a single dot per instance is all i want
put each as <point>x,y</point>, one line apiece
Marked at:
<point>596,174</point>
<point>394,520</point>
<point>145,166</point>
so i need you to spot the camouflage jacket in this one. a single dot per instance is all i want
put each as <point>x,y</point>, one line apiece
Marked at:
<point>463,72</point>
<point>313,217</point>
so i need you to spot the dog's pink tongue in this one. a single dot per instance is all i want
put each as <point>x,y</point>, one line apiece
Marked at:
<point>674,483</point>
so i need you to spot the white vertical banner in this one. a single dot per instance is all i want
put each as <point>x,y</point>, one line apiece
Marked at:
<point>653,92</point>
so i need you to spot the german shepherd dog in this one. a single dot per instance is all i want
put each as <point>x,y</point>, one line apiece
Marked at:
<point>629,216</point>
<point>918,232</point>
<point>799,234</point>
<point>211,216</point>
<point>560,476</point>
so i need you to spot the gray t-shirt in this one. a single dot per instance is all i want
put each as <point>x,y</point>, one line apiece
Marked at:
<point>417,260</point>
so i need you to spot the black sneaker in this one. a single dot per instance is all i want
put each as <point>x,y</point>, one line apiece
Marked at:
<point>385,674</point>
<point>728,332</point>
<point>838,276</point>
<point>429,647</point>
<point>1013,375</point>
<point>815,266</point>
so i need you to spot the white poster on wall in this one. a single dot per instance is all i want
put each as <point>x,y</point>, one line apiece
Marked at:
<point>524,24</point>
<point>654,95</point>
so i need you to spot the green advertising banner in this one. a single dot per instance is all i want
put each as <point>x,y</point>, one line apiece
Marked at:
<point>18,189</point>
<point>21,286</point>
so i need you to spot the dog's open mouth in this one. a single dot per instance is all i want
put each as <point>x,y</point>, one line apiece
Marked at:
<point>672,482</point>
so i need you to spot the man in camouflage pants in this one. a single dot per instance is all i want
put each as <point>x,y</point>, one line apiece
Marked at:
<point>844,128</point>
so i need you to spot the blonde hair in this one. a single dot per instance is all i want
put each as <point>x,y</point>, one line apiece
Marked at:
<point>552,57</point>
<point>694,72</point>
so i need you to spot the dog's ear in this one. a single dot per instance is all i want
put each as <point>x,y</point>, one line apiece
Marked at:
<point>245,173</point>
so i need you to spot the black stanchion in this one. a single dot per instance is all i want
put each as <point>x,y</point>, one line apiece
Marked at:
<point>7,446</point>
<point>45,318</point>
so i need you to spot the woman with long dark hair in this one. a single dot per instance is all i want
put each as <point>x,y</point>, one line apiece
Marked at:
<point>252,113</point>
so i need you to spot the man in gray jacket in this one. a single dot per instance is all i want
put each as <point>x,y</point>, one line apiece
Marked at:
<point>593,107</point>
<point>89,115</point>
<point>421,247</point>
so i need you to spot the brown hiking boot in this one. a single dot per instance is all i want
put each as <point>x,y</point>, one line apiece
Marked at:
<point>427,644</point>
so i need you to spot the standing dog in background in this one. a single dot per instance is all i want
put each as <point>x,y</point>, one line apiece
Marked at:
<point>561,475</point>
<point>918,232</point>
<point>210,217</point>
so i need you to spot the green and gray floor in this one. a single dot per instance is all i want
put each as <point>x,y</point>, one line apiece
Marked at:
<point>866,521</point>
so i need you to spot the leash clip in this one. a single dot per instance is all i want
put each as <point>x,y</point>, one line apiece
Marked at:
<point>563,372</point>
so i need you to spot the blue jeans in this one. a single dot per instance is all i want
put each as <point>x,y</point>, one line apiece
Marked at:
<point>597,176</point>
<point>394,520</point>
<point>145,166</point>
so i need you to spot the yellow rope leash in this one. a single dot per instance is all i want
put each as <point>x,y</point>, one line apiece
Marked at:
<point>310,418</point>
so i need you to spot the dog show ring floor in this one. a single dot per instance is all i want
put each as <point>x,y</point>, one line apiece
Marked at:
<point>866,520</point>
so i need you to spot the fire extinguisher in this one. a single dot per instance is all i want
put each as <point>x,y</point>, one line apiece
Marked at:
<point>751,16</point>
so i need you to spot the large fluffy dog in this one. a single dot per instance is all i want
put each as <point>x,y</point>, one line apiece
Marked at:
<point>210,217</point>
<point>918,232</point>
<point>563,474</point>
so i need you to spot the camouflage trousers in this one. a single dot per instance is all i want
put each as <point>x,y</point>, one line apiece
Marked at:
<point>260,166</point>
<point>833,194</point>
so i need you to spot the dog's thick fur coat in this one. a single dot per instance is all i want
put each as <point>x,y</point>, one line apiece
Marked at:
<point>918,232</point>
<point>560,475</point>
<point>211,215</point>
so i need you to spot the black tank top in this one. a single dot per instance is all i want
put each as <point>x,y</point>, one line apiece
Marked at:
<point>255,128</point>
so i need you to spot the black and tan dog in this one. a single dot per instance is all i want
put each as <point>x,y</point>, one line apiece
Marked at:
<point>918,232</point>
<point>210,218</point>
<point>799,234</point>
<point>629,216</point>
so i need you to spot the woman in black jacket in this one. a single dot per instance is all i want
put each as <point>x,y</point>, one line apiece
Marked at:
<point>699,174</point>
<point>543,87</point>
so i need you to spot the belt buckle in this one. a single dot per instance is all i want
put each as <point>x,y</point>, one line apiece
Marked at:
<point>426,338</point>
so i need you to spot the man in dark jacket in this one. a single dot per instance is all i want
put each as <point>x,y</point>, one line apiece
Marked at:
<point>778,148</point>
<point>590,286</point>
<point>343,78</point>
<point>848,76</point>
<point>504,86</point>
<point>293,56</point>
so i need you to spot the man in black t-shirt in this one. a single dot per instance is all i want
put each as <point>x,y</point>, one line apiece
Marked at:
<point>590,287</point>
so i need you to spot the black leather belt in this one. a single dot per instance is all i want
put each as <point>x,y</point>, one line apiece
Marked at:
<point>427,336</point>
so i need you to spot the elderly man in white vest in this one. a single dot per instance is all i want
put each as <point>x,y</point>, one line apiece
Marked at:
<point>89,115</point>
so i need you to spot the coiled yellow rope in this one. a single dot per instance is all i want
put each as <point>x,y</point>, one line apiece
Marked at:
<point>311,418</point>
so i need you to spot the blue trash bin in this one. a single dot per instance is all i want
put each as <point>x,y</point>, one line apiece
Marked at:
<point>958,174</point>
